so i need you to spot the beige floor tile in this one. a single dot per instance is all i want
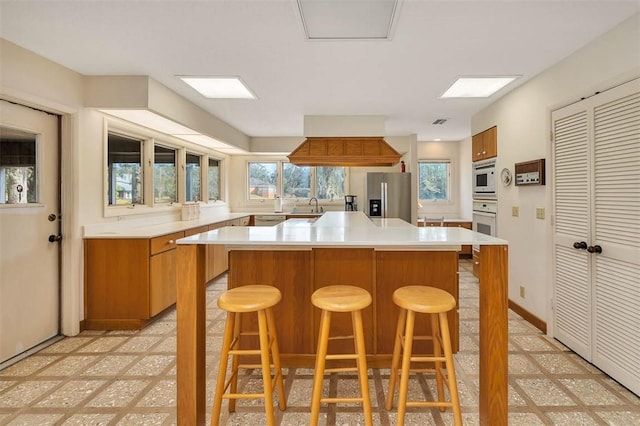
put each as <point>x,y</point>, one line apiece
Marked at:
<point>35,419</point>
<point>26,393</point>
<point>574,418</point>
<point>118,394</point>
<point>544,392</point>
<point>71,393</point>
<point>89,419</point>
<point>591,392</point>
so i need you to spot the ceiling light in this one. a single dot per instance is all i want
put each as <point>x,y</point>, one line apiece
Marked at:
<point>220,87</point>
<point>476,87</point>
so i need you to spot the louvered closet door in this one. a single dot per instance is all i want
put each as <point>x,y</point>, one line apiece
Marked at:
<point>572,299</point>
<point>616,224</point>
<point>597,202</point>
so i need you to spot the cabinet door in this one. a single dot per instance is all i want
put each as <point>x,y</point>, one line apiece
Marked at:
<point>162,285</point>
<point>217,258</point>
<point>116,279</point>
<point>477,147</point>
<point>490,142</point>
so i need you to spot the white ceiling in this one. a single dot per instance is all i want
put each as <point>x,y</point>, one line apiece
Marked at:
<point>264,43</point>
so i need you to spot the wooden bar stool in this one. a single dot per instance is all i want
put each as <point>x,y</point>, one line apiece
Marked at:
<point>436,302</point>
<point>238,301</point>
<point>341,298</point>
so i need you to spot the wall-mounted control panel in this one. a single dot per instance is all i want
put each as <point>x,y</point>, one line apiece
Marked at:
<point>530,172</point>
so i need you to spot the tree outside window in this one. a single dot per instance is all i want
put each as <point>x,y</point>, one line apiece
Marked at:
<point>124,160</point>
<point>193,174</point>
<point>164,175</point>
<point>262,180</point>
<point>296,181</point>
<point>330,183</point>
<point>214,179</point>
<point>433,180</point>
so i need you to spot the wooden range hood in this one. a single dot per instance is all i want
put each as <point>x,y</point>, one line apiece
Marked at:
<point>344,151</point>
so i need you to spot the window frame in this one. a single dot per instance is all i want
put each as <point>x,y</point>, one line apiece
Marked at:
<point>450,198</point>
<point>279,184</point>
<point>150,139</point>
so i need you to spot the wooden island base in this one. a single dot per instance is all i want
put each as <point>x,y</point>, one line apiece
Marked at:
<point>298,271</point>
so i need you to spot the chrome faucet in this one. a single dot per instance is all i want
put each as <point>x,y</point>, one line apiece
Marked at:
<point>316,200</point>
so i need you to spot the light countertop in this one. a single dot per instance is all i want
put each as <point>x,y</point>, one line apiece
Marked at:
<point>124,230</point>
<point>344,229</point>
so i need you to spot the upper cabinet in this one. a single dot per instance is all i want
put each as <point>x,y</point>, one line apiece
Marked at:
<point>485,144</point>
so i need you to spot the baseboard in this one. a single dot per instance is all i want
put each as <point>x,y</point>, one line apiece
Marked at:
<point>532,319</point>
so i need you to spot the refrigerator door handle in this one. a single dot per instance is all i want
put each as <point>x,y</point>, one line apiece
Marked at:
<point>385,198</point>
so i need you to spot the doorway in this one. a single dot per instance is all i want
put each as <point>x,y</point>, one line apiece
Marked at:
<point>30,230</point>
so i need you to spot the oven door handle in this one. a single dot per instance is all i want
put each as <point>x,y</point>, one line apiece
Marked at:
<point>484,214</point>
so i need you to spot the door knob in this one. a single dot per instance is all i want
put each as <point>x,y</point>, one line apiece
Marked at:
<point>594,249</point>
<point>55,238</point>
<point>581,245</point>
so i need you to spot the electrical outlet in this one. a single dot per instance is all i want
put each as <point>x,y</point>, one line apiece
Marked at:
<point>515,211</point>
<point>522,291</point>
<point>540,213</point>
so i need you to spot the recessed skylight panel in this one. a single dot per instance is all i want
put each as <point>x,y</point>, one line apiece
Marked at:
<point>476,87</point>
<point>219,87</point>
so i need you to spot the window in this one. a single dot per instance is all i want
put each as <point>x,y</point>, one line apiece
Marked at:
<point>296,181</point>
<point>214,179</point>
<point>17,167</point>
<point>324,183</point>
<point>262,180</point>
<point>164,175</point>
<point>434,180</point>
<point>193,174</point>
<point>124,162</point>
<point>330,183</point>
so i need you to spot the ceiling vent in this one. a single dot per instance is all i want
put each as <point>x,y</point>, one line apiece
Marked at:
<point>344,151</point>
<point>440,121</point>
<point>349,20</point>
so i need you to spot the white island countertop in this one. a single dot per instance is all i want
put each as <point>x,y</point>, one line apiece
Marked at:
<point>344,229</point>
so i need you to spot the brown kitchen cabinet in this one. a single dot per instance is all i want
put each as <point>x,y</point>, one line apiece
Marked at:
<point>128,280</point>
<point>476,263</point>
<point>484,145</point>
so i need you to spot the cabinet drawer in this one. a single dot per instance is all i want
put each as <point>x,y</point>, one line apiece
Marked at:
<point>165,242</point>
<point>244,221</point>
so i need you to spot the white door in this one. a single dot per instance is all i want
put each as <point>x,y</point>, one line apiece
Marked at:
<point>597,230</point>
<point>29,218</point>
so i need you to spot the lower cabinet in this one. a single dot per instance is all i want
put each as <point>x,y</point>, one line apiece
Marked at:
<point>128,280</point>
<point>476,263</point>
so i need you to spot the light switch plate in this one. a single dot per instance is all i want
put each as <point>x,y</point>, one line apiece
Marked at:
<point>540,213</point>
<point>515,211</point>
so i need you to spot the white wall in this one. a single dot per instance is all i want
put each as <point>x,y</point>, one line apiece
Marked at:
<point>523,120</point>
<point>459,153</point>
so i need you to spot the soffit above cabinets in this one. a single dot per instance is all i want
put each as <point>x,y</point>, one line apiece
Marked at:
<point>344,151</point>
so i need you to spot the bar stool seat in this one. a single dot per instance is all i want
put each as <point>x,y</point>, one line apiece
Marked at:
<point>436,303</point>
<point>341,298</point>
<point>257,299</point>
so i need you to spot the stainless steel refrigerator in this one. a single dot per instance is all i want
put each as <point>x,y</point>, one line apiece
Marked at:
<point>389,195</point>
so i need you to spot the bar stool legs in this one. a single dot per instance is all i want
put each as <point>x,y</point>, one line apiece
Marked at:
<point>341,299</point>
<point>436,303</point>
<point>236,302</point>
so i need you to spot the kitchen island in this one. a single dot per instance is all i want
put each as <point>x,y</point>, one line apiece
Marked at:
<point>299,256</point>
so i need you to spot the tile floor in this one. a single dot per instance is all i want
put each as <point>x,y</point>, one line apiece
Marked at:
<point>128,378</point>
